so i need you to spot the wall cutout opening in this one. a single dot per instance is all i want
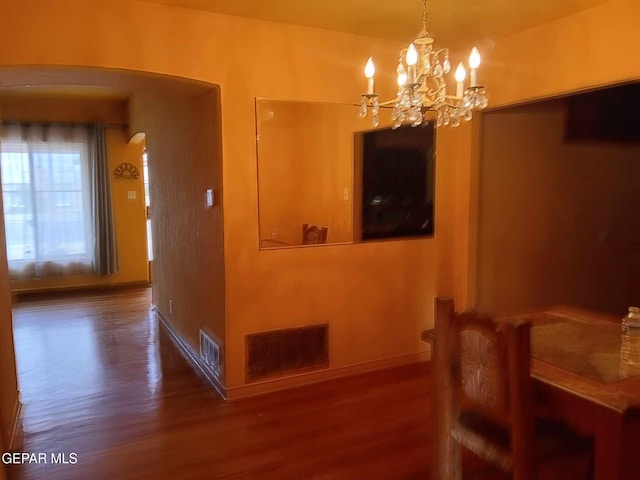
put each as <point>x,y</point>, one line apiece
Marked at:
<point>396,182</point>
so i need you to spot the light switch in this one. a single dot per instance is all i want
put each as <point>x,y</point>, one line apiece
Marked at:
<point>132,194</point>
<point>209,197</point>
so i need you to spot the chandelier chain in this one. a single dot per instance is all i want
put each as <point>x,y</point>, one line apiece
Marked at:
<point>424,15</point>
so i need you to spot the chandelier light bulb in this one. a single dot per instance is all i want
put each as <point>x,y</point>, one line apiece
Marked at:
<point>460,75</point>
<point>411,58</point>
<point>474,58</point>
<point>369,72</point>
<point>369,68</point>
<point>412,55</point>
<point>402,75</point>
<point>474,63</point>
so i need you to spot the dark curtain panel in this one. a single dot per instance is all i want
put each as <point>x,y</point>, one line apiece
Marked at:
<point>106,255</point>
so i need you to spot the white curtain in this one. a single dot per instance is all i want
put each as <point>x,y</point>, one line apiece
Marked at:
<point>46,192</point>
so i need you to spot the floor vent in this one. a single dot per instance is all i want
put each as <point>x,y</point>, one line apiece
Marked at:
<point>281,352</point>
<point>210,353</point>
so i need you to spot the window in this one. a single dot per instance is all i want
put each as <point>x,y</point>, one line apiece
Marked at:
<point>147,203</point>
<point>47,199</point>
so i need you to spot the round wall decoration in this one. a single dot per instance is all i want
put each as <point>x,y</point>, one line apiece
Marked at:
<point>126,171</point>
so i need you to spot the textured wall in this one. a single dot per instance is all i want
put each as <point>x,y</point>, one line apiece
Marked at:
<point>183,146</point>
<point>8,379</point>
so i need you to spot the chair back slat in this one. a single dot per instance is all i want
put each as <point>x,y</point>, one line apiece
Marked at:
<point>478,372</point>
<point>312,234</point>
<point>478,359</point>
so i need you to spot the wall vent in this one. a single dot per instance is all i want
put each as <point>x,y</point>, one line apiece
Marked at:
<point>210,353</point>
<point>280,352</point>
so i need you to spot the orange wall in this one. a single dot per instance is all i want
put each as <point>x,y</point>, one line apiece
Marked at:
<point>376,296</point>
<point>129,215</point>
<point>585,50</point>
<point>564,213</point>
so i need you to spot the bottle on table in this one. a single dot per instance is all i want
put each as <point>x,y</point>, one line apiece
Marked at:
<point>630,348</point>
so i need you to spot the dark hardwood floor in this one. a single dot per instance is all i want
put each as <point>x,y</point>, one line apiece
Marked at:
<point>100,379</point>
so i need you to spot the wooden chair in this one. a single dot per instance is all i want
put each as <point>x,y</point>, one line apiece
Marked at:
<point>485,402</point>
<point>312,235</point>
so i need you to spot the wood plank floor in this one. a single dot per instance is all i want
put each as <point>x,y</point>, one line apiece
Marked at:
<point>100,379</point>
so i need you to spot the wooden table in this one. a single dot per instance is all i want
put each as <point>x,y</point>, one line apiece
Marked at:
<point>579,379</point>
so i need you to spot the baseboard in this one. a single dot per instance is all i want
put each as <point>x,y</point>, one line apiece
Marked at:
<point>282,383</point>
<point>15,438</point>
<point>190,355</point>
<point>31,293</point>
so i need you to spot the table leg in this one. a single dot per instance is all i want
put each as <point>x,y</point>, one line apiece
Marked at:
<point>629,459</point>
<point>608,447</point>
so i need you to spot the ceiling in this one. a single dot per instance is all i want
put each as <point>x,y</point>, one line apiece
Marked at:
<point>475,21</point>
<point>453,23</point>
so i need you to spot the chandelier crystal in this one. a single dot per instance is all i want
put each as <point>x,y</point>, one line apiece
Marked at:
<point>422,86</point>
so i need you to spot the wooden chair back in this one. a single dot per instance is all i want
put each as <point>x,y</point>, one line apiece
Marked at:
<point>485,377</point>
<point>312,235</point>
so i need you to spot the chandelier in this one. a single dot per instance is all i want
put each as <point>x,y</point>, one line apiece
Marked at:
<point>422,86</point>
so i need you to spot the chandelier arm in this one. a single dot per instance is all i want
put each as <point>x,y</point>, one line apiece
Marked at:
<point>387,103</point>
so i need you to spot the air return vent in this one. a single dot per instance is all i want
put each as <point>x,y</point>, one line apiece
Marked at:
<point>210,353</point>
<point>280,352</point>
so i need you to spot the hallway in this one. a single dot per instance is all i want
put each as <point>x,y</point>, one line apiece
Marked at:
<point>100,379</point>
